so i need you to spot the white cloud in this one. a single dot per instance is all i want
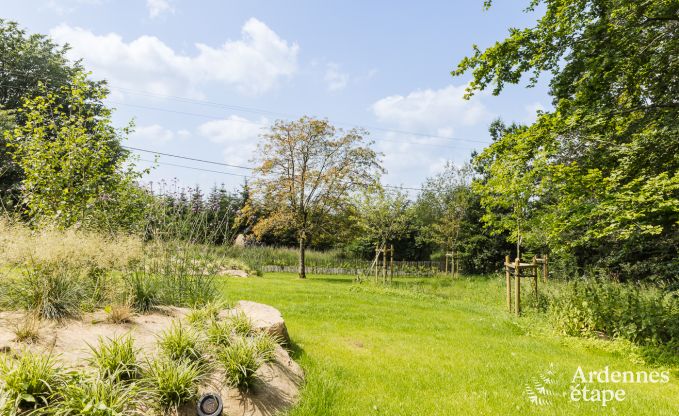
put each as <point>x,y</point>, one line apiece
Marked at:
<point>431,111</point>
<point>436,112</point>
<point>238,135</point>
<point>334,78</point>
<point>252,65</point>
<point>154,133</point>
<point>158,7</point>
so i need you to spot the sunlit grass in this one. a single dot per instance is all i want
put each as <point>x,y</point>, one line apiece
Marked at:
<point>439,348</point>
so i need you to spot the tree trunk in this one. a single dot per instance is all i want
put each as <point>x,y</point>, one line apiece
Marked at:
<point>302,265</point>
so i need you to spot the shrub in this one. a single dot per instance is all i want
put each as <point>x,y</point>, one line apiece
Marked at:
<point>172,383</point>
<point>48,290</point>
<point>97,397</point>
<point>181,343</point>
<point>27,329</point>
<point>240,360</point>
<point>641,315</point>
<point>30,380</point>
<point>116,358</point>
<point>143,290</point>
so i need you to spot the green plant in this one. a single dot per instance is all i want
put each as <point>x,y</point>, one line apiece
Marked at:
<point>181,343</point>
<point>172,383</point>
<point>143,290</point>
<point>241,324</point>
<point>219,333</point>
<point>27,329</point>
<point>100,396</point>
<point>203,316</point>
<point>116,358</point>
<point>240,361</point>
<point>51,291</point>
<point>30,379</point>
<point>266,345</point>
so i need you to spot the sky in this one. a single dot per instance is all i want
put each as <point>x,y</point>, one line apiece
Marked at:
<point>203,79</point>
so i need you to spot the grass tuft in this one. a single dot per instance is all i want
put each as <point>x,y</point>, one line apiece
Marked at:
<point>27,329</point>
<point>173,383</point>
<point>30,379</point>
<point>180,342</point>
<point>116,358</point>
<point>97,397</point>
<point>240,361</point>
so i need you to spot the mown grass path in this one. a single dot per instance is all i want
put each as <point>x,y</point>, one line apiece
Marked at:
<point>384,352</point>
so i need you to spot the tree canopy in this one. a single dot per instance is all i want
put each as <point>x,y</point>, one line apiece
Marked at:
<point>601,168</point>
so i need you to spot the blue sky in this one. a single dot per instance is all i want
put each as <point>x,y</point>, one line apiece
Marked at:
<point>204,78</point>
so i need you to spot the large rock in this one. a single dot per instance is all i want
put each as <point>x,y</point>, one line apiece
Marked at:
<point>265,318</point>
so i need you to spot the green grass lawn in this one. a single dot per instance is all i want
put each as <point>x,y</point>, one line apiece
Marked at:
<point>372,351</point>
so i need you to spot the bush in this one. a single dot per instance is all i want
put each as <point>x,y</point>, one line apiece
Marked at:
<point>171,383</point>
<point>116,358</point>
<point>180,343</point>
<point>50,291</point>
<point>30,380</point>
<point>642,315</point>
<point>240,360</point>
<point>97,397</point>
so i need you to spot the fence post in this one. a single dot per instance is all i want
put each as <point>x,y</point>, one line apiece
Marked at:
<point>535,279</point>
<point>545,269</point>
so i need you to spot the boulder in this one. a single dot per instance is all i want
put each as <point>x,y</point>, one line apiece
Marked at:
<point>265,318</point>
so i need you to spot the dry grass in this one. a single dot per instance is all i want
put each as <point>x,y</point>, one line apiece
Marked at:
<point>27,329</point>
<point>71,248</point>
<point>119,314</point>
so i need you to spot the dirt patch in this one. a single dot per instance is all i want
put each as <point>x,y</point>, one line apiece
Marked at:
<point>279,381</point>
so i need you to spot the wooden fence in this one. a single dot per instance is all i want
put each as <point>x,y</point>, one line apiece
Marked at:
<point>362,268</point>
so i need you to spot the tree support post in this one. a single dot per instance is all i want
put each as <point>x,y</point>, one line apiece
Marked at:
<point>517,287</point>
<point>508,278</point>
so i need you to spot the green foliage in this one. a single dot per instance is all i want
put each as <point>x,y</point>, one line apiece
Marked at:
<point>29,380</point>
<point>642,315</point>
<point>144,291</point>
<point>116,358</point>
<point>74,169</point>
<point>172,383</point>
<point>99,396</point>
<point>181,343</point>
<point>50,291</point>
<point>205,315</point>
<point>241,324</point>
<point>240,360</point>
<point>596,178</point>
<point>266,345</point>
